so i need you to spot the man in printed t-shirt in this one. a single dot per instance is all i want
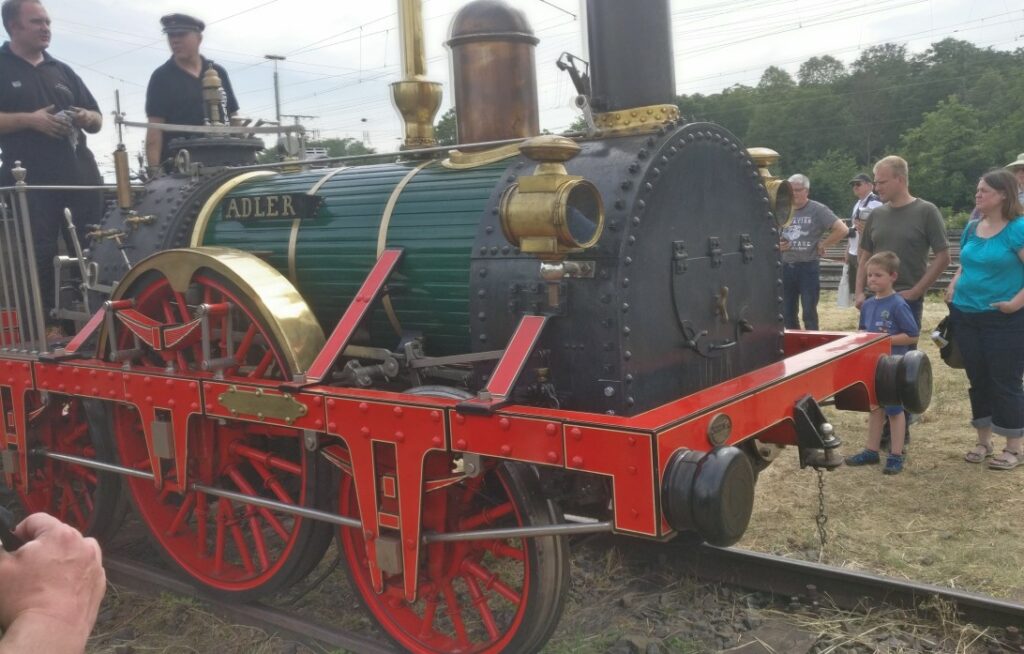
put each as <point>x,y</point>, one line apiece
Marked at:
<point>802,246</point>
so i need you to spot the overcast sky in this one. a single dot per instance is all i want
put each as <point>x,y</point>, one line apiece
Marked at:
<point>342,54</point>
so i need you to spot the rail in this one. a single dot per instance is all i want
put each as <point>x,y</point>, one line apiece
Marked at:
<point>832,266</point>
<point>23,319</point>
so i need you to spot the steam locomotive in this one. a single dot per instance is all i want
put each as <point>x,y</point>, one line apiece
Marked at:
<point>450,360</point>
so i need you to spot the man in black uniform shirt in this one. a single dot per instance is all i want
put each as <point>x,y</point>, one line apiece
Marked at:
<point>175,92</point>
<point>44,110</point>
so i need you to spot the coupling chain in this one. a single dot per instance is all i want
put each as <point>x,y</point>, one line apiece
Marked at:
<point>822,518</point>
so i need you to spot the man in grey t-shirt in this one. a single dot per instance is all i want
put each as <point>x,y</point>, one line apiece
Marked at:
<point>802,246</point>
<point>908,226</point>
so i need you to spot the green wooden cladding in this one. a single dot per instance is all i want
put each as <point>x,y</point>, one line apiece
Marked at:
<point>435,221</point>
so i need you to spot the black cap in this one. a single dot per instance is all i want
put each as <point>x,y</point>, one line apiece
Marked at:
<point>181,23</point>
<point>862,177</point>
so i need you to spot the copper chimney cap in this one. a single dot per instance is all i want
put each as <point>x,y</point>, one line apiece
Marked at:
<point>490,20</point>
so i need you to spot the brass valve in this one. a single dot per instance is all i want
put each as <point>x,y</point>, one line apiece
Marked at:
<point>551,213</point>
<point>780,194</point>
<point>106,234</point>
<point>134,220</point>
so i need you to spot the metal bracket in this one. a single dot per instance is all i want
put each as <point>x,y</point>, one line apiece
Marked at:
<point>680,257</point>
<point>508,370</point>
<point>747,248</point>
<point>715,251</point>
<point>370,290</point>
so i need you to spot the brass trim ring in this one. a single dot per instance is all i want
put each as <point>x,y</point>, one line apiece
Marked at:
<point>382,237</point>
<point>203,219</point>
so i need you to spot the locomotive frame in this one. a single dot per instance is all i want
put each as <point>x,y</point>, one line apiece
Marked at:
<point>208,368</point>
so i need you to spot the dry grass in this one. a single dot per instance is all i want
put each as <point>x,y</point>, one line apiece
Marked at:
<point>942,521</point>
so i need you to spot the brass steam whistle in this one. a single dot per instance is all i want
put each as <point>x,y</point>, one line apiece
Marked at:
<point>780,194</point>
<point>214,98</point>
<point>551,213</point>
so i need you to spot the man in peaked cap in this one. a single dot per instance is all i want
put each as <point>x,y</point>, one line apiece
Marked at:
<point>1017,168</point>
<point>175,92</point>
<point>864,189</point>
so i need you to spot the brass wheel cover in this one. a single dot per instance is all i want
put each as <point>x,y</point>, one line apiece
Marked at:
<point>270,295</point>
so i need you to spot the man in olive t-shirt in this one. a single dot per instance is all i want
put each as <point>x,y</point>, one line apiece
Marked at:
<point>908,226</point>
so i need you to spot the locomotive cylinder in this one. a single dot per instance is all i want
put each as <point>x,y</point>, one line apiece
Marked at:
<point>630,50</point>
<point>494,73</point>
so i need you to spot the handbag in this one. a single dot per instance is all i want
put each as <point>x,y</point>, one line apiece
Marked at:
<point>843,295</point>
<point>944,339</point>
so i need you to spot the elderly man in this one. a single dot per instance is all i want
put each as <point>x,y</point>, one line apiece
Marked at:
<point>908,226</point>
<point>44,110</point>
<point>802,246</point>
<point>1017,168</point>
<point>175,92</point>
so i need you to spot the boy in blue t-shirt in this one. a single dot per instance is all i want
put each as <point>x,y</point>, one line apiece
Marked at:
<point>887,313</point>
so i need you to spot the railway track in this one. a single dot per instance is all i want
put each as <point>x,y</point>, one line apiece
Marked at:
<point>149,580</point>
<point>783,578</point>
<point>847,589</point>
<point>832,265</point>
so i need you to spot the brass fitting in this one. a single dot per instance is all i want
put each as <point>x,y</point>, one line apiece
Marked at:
<point>213,97</point>
<point>416,98</point>
<point>779,191</point>
<point>551,214</point>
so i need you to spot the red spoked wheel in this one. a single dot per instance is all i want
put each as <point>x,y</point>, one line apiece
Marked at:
<point>488,595</point>
<point>227,545</point>
<point>88,500</point>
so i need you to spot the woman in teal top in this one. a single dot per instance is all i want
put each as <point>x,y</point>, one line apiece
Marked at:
<point>986,297</point>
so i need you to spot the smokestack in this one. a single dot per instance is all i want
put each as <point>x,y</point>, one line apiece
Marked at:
<point>631,60</point>
<point>416,98</point>
<point>493,73</point>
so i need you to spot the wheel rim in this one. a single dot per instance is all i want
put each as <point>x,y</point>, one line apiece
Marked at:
<point>227,545</point>
<point>475,596</point>
<point>67,492</point>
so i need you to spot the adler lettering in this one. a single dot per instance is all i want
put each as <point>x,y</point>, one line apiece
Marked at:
<point>261,206</point>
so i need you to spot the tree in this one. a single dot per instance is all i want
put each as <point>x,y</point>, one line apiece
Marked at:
<point>776,79</point>
<point>821,70</point>
<point>830,180</point>
<point>946,154</point>
<point>341,147</point>
<point>446,130</point>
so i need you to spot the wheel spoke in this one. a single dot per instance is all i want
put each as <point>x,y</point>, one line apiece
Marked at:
<point>239,538</point>
<point>182,515</point>
<point>250,514</point>
<point>429,614</point>
<point>266,459</point>
<point>76,510</point>
<point>491,581</point>
<point>243,348</point>
<point>218,550</point>
<point>486,517</point>
<point>202,514</point>
<point>261,369</point>
<point>455,615</point>
<point>480,602</point>
<point>503,550</point>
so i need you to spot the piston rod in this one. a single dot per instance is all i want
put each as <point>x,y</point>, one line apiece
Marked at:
<point>521,532</point>
<point>209,490</point>
<point>565,529</point>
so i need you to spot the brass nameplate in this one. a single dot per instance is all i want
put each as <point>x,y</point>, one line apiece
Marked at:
<point>262,405</point>
<point>262,207</point>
